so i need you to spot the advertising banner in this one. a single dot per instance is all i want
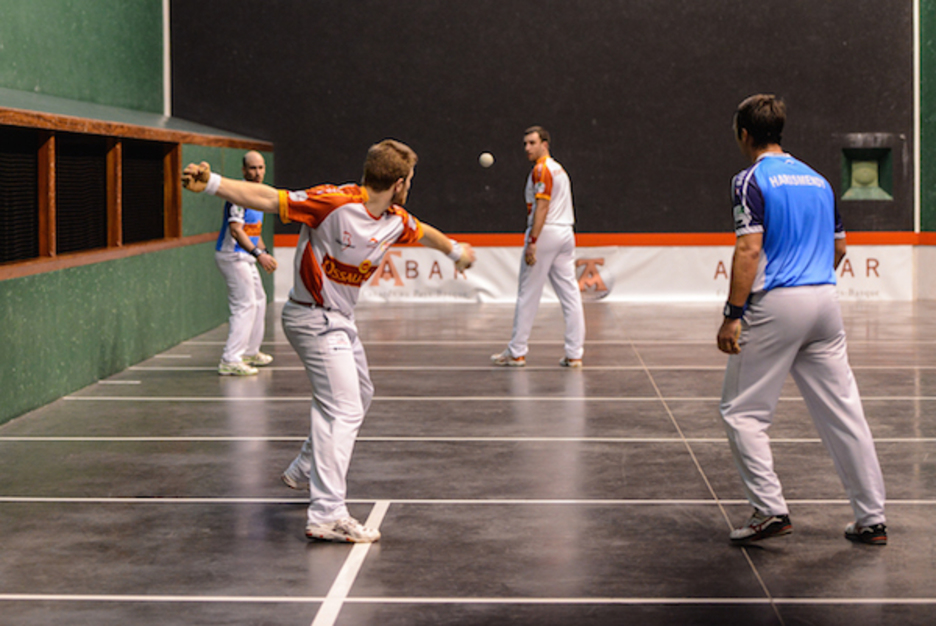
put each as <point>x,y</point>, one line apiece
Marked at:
<point>612,274</point>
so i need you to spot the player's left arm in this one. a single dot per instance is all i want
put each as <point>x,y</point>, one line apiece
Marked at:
<point>462,253</point>
<point>743,272</point>
<point>840,249</point>
<point>539,220</point>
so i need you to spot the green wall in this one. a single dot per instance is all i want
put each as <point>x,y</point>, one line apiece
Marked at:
<point>928,115</point>
<point>66,329</point>
<point>102,51</point>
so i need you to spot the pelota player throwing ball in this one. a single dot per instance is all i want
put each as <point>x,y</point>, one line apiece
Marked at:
<point>344,234</point>
<point>783,316</point>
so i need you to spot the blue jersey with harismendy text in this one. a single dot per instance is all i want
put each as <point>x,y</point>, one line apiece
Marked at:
<point>794,207</point>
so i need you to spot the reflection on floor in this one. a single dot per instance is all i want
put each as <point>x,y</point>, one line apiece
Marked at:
<point>508,496</point>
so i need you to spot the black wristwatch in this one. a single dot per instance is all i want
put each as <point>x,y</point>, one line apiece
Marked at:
<point>733,312</point>
<point>257,251</point>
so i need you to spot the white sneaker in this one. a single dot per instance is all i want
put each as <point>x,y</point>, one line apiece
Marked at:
<point>762,526</point>
<point>344,530</point>
<point>258,359</point>
<point>236,369</point>
<point>507,360</point>
<point>573,363</point>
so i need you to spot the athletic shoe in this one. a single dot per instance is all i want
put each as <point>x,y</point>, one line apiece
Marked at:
<point>505,359</point>
<point>762,526</point>
<point>573,363</point>
<point>344,530</point>
<point>875,535</point>
<point>293,479</point>
<point>237,369</point>
<point>258,359</point>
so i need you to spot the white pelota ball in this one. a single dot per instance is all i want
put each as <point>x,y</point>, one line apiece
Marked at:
<point>486,159</point>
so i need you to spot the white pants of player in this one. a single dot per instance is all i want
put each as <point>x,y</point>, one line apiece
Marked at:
<point>328,345</point>
<point>555,261</point>
<point>799,331</point>
<point>247,302</point>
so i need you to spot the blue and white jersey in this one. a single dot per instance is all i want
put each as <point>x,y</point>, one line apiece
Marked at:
<point>794,207</point>
<point>253,227</point>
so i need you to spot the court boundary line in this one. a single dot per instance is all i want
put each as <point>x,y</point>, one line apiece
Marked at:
<point>420,439</point>
<point>710,601</point>
<point>129,398</point>
<point>624,502</point>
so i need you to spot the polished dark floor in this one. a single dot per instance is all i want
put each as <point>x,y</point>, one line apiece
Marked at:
<point>522,496</point>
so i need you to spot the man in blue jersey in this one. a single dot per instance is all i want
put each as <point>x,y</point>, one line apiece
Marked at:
<point>238,252</point>
<point>783,316</point>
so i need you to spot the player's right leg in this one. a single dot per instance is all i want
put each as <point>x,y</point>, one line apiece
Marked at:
<point>753,380</point>
<point>324,342</point>
<point>531,281</point>
<point>240,285</point>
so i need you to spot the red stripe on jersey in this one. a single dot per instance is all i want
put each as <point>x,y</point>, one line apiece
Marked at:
<point>412,229</point>
<point>311,274</point>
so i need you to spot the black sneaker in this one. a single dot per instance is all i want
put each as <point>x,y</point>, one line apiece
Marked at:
<point>762,526</point>
<point>875,535</point>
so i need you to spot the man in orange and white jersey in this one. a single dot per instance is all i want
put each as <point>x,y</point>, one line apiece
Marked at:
<point>345,232</point>
<point>549,253</point>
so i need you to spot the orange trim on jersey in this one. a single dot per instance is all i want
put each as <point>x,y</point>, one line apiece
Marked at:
<point>253,230</point>
<point>542,174</point>
<point>311,274</point>
<point>319,202</point>
<point>594,240</point>
<point>284,209</point>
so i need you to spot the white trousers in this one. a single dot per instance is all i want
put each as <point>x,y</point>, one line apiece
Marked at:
<point>799,331</point>
<point>555,261</point>
<point>328,345</point>
<point>247,302</point>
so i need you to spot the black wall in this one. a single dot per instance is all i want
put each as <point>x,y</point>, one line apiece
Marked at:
<point>638,94</point>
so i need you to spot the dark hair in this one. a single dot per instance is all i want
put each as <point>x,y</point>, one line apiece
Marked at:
<point>386,163</point>
<point>762,116</point>
<point>539,130</point>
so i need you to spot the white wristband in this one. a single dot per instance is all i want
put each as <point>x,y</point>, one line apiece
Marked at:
<point>456,252</point>
<point>214,181</point>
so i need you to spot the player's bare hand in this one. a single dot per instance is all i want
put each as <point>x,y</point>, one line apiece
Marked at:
<point>729,335</point>
<point>267,262</point>
<point>530,254</point>
<point>466,259</point>
<point>195,177</point>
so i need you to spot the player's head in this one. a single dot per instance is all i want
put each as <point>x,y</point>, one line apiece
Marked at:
<point>254,167</point>
<point>762,116</point>
<point>536,143</point>
<point>388,164</point>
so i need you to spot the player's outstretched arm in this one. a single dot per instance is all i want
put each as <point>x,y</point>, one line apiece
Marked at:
<point>462,253</point>
<point>199,178</point>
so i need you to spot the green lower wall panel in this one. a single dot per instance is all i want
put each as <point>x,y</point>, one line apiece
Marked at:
<point>64,330</point>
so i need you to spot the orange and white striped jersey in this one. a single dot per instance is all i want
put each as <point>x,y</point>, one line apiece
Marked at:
<point>550,181</point>
<point>340,243</point>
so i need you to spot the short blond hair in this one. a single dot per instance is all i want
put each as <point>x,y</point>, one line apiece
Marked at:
<point>386,163</point>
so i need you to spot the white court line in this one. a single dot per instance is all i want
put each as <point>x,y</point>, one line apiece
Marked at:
<point>328,612</point>
<point>588,342</point>
<point>435,502</point>
<point>435,439</point>
<point>527,368</point>
<point>157,599</point>
<point>462,399</point>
